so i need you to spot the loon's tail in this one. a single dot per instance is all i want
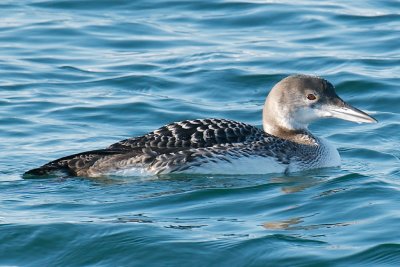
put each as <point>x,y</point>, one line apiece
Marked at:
<point>70,165</point>
<point>47,170</point>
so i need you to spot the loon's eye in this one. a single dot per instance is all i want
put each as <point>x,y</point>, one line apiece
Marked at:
<point>311,97</point>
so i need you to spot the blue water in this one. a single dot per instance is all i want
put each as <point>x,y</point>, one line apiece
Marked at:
<point>80,75</point>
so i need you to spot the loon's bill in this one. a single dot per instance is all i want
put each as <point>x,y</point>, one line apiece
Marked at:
<point>220,146</point>
<point>350,113</point>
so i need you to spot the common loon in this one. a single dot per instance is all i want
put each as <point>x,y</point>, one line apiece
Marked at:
<point>221,146</point>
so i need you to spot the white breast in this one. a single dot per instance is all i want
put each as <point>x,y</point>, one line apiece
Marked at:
<point>240,166</point>
<point>330,157</point>
<point>326,155</point>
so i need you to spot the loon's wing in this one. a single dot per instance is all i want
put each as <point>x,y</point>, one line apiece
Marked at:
<point>171,146</point>
<point>195,134</point>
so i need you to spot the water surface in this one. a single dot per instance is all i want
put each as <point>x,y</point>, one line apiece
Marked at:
<point>80,75</point>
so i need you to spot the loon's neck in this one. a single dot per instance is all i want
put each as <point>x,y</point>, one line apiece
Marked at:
<point>300,136</point>
<point>285,126</point>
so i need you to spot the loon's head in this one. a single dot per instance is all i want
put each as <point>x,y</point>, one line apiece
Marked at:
<point>298,100</point>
